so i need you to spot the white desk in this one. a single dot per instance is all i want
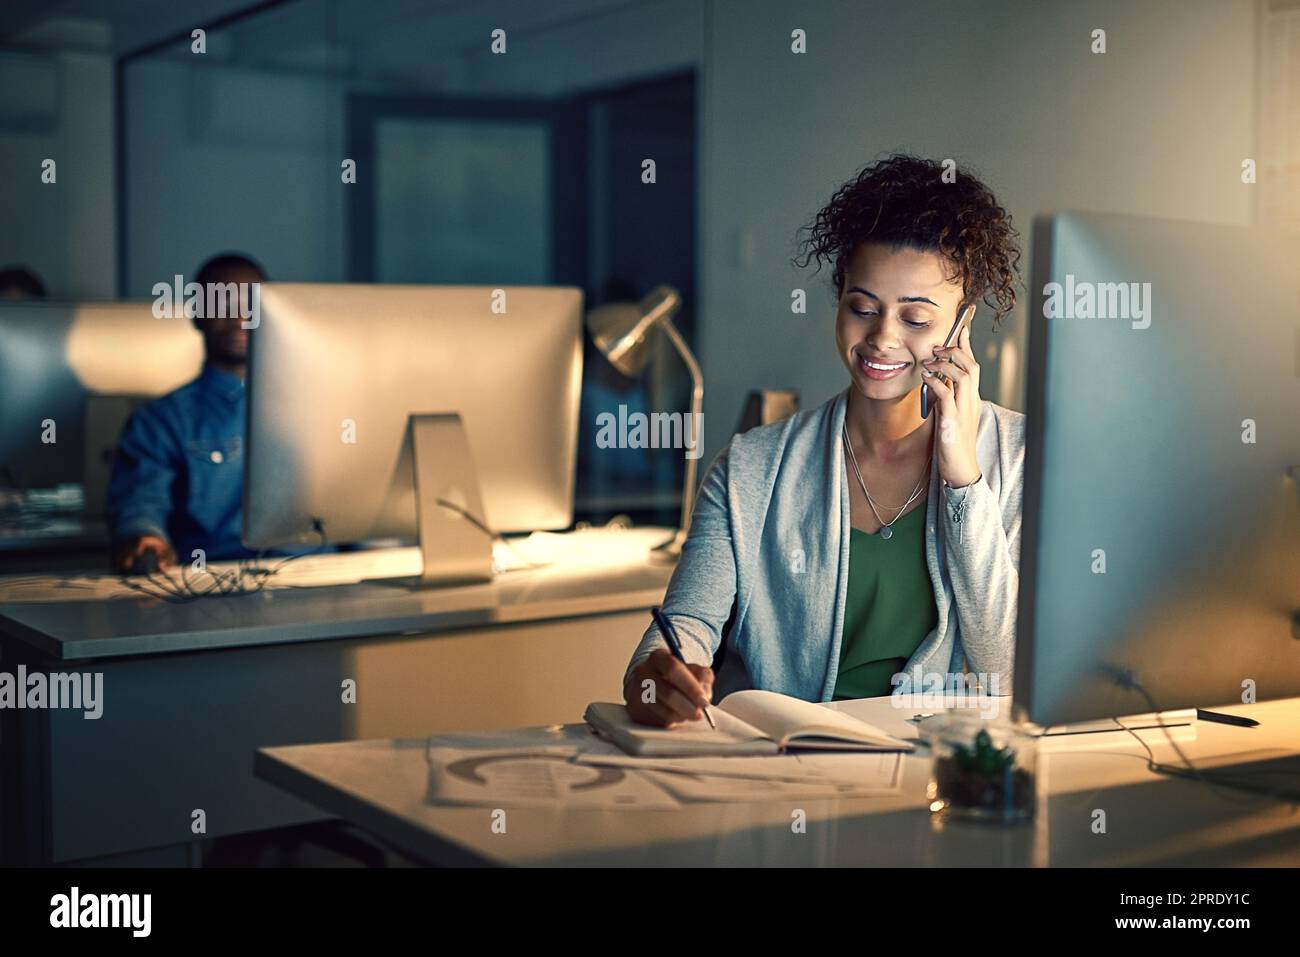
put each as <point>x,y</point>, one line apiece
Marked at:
<point>1151,820</point>
<point>192,690</point>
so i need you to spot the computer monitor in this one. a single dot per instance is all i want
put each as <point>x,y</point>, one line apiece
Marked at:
<point>338,371</point>
<point>56,356</point>
<point>1160,545</point>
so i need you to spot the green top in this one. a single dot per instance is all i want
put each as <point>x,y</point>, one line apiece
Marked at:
<point>889,609</point>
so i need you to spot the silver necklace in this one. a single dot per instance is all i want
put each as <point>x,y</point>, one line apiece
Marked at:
<point>885,530</point>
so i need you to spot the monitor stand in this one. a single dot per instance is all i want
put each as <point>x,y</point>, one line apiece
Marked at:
<point>454,549</point>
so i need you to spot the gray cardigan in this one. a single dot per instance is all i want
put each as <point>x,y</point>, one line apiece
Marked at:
<point>770,530</point>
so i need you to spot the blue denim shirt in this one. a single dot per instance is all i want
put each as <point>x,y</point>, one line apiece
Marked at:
<point>178,470</point>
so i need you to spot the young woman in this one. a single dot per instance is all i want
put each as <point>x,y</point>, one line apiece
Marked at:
<point>857,547</point>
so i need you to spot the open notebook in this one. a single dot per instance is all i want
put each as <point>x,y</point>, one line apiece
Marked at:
<point>749,722</point>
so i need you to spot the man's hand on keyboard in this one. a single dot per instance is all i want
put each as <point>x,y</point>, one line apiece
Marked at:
<point>130,552</point>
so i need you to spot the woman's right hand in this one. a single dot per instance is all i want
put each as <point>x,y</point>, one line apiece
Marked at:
<point>680,691</point>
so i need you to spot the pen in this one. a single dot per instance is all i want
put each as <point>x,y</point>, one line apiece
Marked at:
<point>670,636</point>
<point>1226,718</point>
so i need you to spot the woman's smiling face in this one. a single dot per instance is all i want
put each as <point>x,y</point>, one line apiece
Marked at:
<point>897,305</point>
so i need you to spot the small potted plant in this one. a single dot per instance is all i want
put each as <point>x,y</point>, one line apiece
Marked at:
<point>982,770</point>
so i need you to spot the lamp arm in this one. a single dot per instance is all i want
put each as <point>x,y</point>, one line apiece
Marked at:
<point>697,409</point>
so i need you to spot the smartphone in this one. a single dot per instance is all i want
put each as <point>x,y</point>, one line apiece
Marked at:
<point>953,334</point>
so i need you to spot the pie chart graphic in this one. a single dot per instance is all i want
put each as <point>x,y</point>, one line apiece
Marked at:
<point>469,769</point>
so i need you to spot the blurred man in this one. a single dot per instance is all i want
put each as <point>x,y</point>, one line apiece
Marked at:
<point>177,481</point>
<point>18,283</point>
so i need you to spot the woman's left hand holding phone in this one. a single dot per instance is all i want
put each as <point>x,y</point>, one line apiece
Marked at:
<point>957,403</point>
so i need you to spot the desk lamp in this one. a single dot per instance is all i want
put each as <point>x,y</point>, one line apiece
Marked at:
<point>621,332</point>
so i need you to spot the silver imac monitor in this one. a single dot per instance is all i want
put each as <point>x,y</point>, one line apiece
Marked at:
<point>362,396</point>
<point>55,357</point>
<point>1160,546</point>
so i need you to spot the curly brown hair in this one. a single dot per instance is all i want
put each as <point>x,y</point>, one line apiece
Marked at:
<point>903,202</point>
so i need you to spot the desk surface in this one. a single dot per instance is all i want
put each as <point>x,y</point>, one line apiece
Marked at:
<point>1150,819</point>
<point>101,627</point>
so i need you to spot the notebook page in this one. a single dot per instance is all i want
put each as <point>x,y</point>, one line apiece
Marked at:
<point>863,770</point>
<point>730,730</point>
<point>779,716</point>
<point>688,736</point>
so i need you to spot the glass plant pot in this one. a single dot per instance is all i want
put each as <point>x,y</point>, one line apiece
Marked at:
<point>981,769</point>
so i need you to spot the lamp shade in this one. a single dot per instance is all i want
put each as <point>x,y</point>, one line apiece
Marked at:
<point>621,331</point>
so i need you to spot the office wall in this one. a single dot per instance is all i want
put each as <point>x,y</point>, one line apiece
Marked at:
<point>58,106</point>
<point>1158,125</point>
<point>611,47</point>
<point>228,158</point>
